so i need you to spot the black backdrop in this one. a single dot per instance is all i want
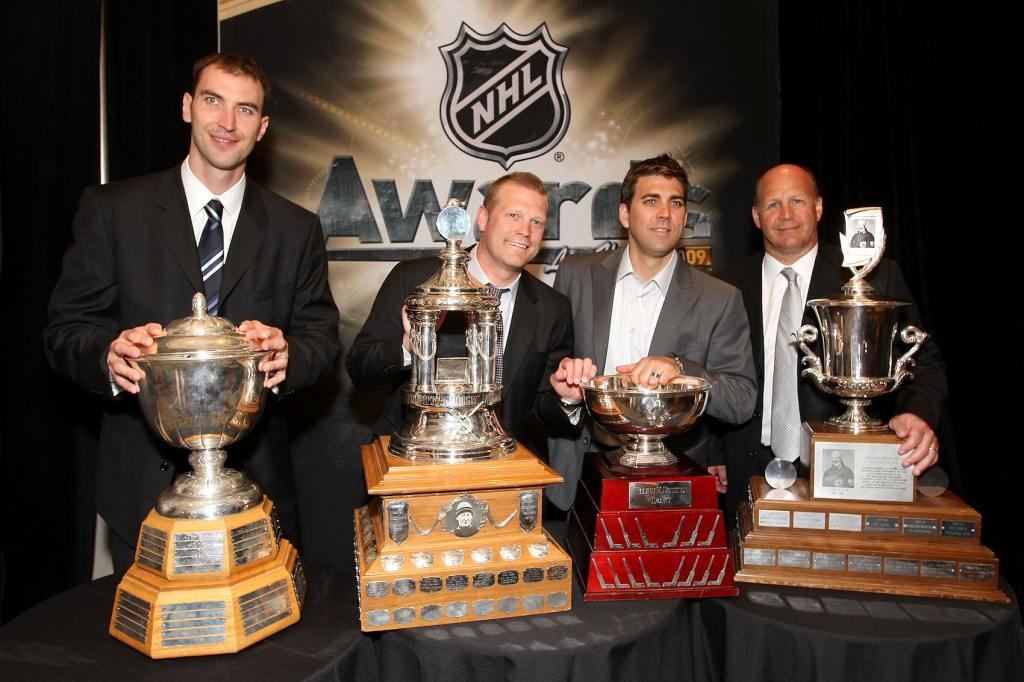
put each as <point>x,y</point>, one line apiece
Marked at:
<point>890,105</point>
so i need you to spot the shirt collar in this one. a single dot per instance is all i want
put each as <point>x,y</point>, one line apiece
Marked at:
<point>197,195</point>
<point>664,277</point>
<point>479,275</point>
<point>771,267</point>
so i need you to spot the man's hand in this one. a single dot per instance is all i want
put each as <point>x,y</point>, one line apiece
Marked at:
<point>567,379</point>
<point>920,446</point>
<point>721,479</point>
<point>130,344</point>
<point>654,370</point>
<point>268,338</point>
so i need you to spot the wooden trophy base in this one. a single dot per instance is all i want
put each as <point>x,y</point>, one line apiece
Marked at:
<point>649,533</point>
<point>453,543</point>
<point>208,586</point>
<point>930,548</point>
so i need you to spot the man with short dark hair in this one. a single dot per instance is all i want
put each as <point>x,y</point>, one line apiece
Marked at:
<point>787,208</point>
<point>537,324</point>
<point>144,246</point>
<point>643,311</point>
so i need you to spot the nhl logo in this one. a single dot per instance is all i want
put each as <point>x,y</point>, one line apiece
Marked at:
<point>505,100</point>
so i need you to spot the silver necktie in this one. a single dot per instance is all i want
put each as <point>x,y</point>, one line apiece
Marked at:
<point>785,401</point>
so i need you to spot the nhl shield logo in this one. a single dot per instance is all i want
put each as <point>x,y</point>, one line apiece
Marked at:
<point>505,100</point>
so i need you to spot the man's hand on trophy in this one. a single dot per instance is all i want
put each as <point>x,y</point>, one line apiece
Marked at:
<point>567,379</point>
<point>406,344</point>
<point>269,338</point>
<point>721,478</point>
<point>654,370</point>
<point>920,445</point>
<point>131,343</point>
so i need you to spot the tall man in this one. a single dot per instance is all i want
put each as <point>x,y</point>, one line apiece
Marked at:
<point>787,209</point>
<point>144,246</point>
<point>537,324</point>
<point>644,311</point>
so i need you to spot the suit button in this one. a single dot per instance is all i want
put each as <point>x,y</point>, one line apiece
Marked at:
<point>752,453</point>
<point>164,466</point>
<point>757,415</point>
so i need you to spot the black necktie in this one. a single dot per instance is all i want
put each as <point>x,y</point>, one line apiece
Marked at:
<point>211,254</point>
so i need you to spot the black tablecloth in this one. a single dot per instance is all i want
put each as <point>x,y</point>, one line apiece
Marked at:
<point>65,638</point>
<point>786,633</point>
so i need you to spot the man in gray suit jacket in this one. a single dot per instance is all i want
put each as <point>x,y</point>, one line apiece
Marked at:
<point>645,312</point>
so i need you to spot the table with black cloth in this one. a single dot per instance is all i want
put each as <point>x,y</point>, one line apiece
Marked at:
<point>788,633</point>
<point>65,638</point>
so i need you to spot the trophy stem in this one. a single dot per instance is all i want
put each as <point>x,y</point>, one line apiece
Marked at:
<point>211,490</point>
<point>856,419</point>
<point>641,451</point>
<point>208,463</point>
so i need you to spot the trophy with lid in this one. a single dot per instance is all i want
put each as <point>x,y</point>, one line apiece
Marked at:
<point>858,524</point>
<point>646,523</point>
<point>212,573</point>
<point>454,533</point>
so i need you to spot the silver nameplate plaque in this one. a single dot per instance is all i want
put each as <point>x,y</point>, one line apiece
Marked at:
<point>508,604</point>
<point>533,575</point>
<point>454,583</point>
<point>773,518</point>
<point>377,589</point>
<point>914,526</point>
<point>847,522</point>
<point>903,567</point>
<point>660,495</point>
<point>557,600</point>
<point>958,529</point>
<point>532,602</point>
<point>481,580</point>
<point>508,577</point>
<point>404,587</point>
<point>882,524</point>
<point>978,572</point>
<point>456,609</point>
<point>829,561</point>
<point>529,502</point>
<point>452,371</point>
<point>453,557</point>
<point>483,607</point>
<point>758,557</point>
<point>793,558</point>
<point>865,563</point>
<point>422,559</point>
<point>430,584</point>
<point>405,615</point>
<point>938,569</point>
<point>482,555</point>
<point>430,612</point>
<point>398,521</point>
<point>558,572</point>
<point>378,617</point>
<point>809,520</point>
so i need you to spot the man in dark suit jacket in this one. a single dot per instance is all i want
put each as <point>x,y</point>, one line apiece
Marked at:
<point>787,212</point>
<point>134,266</point>
<point>698,328</point>
<point>538,336</point>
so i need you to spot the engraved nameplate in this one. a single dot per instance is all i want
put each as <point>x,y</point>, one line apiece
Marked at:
<point>398,521</point>
<point>508,577</point>
<point>882,524</point>
<point>905,567</point>
<point>557,600</point>
<point>533,575</point>
<point>532,602</point>
<point>377,589</point>
<point>811,520</point>
<point>793,558</point>
<point>483,607</point>
<point>774,518</point>
<point>758,557</point>
<point>958,529</point>
<point>430,584</point>
<point>483,580</point>
<point>456,609</point>
<point>913,526</point>
<point>528,503</point>
<point>404,587</point>
<point>848,522</point>
<point>828,561</point>
<point>454,583</point>
<point>557,572</point>
<point>660,494</point>
<point>508,604</point>
<point>938,569</point>
<point>405,615</point>
<point>865,563</point>
<point>451,371</point>
<point>377,618</point>
<point>978,572</point>
<point>430,612</point>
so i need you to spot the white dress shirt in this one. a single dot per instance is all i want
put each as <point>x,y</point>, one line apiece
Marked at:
<point>636,307</point>
<point>197,196</point>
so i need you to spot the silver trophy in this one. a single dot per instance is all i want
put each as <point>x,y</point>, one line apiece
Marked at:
<point>858,331</point>
<point>451,401</point>
<point>203,391</point>
<point>645,415</point>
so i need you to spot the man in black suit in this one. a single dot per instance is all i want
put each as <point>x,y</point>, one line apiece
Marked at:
<point>787,210</point>
<point>537,320</point>
<point>134,266</point>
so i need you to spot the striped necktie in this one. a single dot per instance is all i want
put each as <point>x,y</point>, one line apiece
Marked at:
<point>499,371</point>
<point>211,254</point>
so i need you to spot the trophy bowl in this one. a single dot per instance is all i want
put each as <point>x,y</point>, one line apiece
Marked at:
<point>202,390</point>
<point>645,414</point>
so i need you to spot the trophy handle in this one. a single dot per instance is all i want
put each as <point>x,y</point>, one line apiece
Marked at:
<point>914,337</point>
<point>805,335</point>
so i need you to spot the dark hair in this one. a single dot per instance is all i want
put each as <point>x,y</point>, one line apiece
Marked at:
<point>236,65</point>
<point>805,169</point>
<point>521,178</point>
<point>663,165</point>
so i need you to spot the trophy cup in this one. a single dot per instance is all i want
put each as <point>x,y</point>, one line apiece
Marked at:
<point>646,523</point>
<point>455,533</point>
<point>858,524</point>
<point>212,573</point>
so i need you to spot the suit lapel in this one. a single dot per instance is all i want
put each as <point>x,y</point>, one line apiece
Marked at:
<point>679,300</point>
<point>246,241</point>
<point>524,326</point>
<point>603,292</point>
<point>175,227</point>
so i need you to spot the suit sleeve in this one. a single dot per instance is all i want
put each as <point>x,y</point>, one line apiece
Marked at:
<point>376,356</point>
<point>547,406</point>
<point>730,365</point>
<point>313,328</point>
<point>85,305</point>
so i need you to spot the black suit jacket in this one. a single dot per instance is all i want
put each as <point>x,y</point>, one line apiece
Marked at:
<point>923,395</point>
<point>540,336</point>
<point>134,260</point>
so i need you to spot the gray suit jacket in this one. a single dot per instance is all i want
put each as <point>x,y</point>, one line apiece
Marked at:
<point>702,321</point>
